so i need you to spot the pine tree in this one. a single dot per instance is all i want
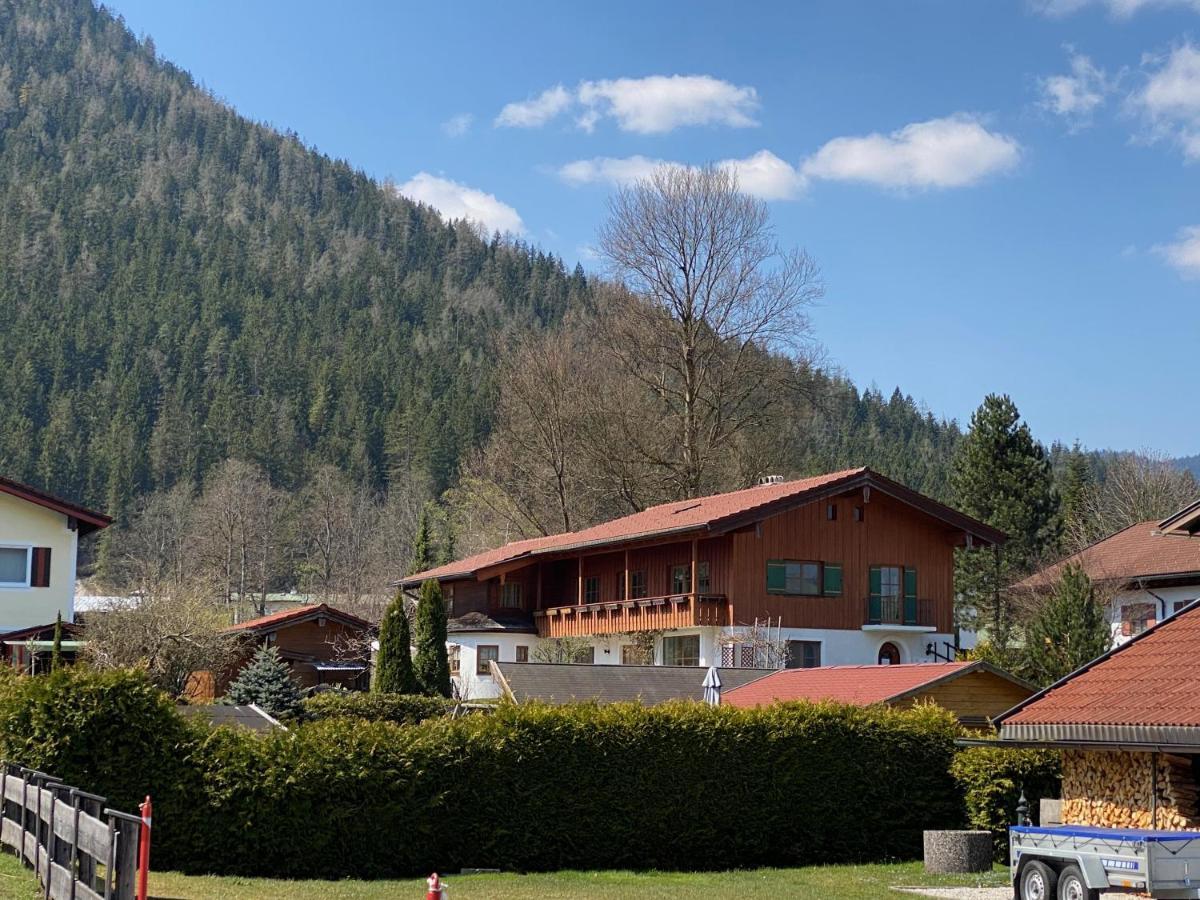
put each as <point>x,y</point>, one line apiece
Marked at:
<point>267,683</point>
<point>1071,629</point>
<point>1002,476</point>
<point>432,662</point>
<point>394,663</point>
<point>422,551</point>
<point>56,650</point>
<point>447,549</point>
<point>1077,483</point>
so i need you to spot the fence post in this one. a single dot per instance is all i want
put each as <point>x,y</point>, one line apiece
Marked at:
<point>144,851</point>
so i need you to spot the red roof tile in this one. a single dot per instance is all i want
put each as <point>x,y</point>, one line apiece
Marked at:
<point>1140,551</point>
<point>1152,680</point>
<point>298,614</point>
<point>89,520</point>
<point>856,685</point>
<point>700,514</point>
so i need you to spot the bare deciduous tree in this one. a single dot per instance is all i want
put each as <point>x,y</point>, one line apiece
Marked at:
<point>712,291</point>
<point>1136,487</point>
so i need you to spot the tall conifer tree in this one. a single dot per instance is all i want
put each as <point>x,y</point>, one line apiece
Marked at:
<point>1071,629</point>
<point>422,551</point>
<point>394,663</point>
<point>432,661</point>
<point>1002,476</point>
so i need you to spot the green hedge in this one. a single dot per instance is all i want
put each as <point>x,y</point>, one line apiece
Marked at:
<point>403,709</point>
<point>681,786</point>
<point>991,780</point>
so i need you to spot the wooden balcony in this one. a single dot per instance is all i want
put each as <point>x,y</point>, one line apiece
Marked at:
<point>622,616</point>
<point>899,612</point>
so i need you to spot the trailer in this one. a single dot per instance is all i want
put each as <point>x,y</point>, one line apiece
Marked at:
<point>1077,862</point>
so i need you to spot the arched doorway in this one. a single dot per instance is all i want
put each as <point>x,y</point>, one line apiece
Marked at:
<point>889,655</point>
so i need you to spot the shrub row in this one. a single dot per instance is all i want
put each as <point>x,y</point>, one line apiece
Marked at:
<point>682,786</point>
<point>992,779</point>
<point>402,709</point>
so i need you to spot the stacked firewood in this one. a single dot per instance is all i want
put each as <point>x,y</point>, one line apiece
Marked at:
<point>1113,790</point>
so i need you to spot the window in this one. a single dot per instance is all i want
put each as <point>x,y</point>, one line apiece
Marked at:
<point>858,514</point>
<point>637,585</point>
<point>15,566</point>
<point>591,589</point>
<point>452,657</point>
<point>1179,605</point>
<point>889,655</point>
<point>893,596</point>
<point>705,579</point>
<point>635,655</point>
<point>584,656</point>
<point>788,577</point>
<point>484,654</point>
<point>804,654</point>
<point>522,653</point>
<point>831,512</point>
<point>1136,618</point>
<point>683,650</point>
<point>681,579</point>
<point>510,594</point>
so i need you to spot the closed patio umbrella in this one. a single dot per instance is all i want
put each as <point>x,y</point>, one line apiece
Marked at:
<point>712,687</point>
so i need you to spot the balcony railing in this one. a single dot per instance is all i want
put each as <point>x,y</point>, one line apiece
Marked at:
<point>907,611</point>
<point>643,614</point>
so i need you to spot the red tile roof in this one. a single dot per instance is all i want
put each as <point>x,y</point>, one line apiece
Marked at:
<point>856,685</point>
<point>285,617</point>
<point>707,514</point>
<point>89,520</point>
<point>1140,551</point>
<point>1153,680</point>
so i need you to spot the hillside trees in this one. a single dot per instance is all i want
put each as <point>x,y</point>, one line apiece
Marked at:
<point>1137,487</point>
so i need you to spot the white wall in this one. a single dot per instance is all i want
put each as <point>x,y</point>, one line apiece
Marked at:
<point>1171,595</point>
<point>468,684</point>
<point>26,524</point>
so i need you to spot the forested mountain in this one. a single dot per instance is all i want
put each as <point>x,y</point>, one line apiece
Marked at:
<point>1190,464</point>
<point>179,285</point>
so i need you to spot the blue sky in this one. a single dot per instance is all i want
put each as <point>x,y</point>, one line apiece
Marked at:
<point>1001,195</point>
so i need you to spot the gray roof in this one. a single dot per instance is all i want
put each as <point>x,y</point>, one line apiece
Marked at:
<point>238,716</point>
<point>501,620</point>
<point>568,683</point>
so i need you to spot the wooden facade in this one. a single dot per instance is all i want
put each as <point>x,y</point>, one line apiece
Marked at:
<point>691,580</point>
<point>975,698</point>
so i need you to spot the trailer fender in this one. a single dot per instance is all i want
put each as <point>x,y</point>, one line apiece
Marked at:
<point>1093,871</point>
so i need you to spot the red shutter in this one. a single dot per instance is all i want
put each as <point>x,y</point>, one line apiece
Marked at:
<point>40,570</point>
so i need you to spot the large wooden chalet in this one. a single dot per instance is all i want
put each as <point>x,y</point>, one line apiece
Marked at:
<point>849,567</point>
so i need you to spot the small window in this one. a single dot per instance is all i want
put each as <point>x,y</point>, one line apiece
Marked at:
<point>584,656</point>
<point>484,654</point>
<point>452,657</point>
<point>522,653</point>
<point>704,578</point>
<point>683,650</point>
<point>681,579</point>
<point>637,585</point>
<point>790,577</point>
<point>635,655</point>
<point>859,514</point>
<point>1136,618</point>
<point>1179,606</point>
<point>591,589</point>
<point>804,654</point>
<point>510,594</point>
<point>14,566</point>
<point>831,512</point>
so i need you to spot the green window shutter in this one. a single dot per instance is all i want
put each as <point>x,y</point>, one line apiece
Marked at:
<point>776,577</point>
<point>833,579</point>
<point>910,596</point>
<point>876,581</point>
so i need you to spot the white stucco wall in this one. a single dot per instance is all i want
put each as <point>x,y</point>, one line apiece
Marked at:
<point>25,524</point>
<point>1172,596</point>
<point>468,684</point>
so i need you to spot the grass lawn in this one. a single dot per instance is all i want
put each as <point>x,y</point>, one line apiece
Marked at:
<point>826,882</point>
<point>16,881</point>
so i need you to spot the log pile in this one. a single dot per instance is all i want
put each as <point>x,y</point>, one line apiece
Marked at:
<point>1113,790</point>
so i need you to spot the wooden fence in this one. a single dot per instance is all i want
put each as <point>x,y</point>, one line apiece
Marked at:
<point>80,849</point>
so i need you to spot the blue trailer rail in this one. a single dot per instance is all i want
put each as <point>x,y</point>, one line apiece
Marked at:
<point>1077,862</point>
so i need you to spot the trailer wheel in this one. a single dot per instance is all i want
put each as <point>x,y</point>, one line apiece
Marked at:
<point>1071,886</point>
<point>1038,881</point>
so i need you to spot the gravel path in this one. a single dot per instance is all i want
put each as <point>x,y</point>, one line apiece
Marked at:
<point>962,893</point>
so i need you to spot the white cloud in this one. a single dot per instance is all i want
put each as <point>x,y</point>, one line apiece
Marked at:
<point>1170,100</point>
<point>536,111</point>
<point>457,201</point>
<point>1183,254</point>
<point>763,175</point>
<point>955,151</point>
<point>1118,9</point>
<point>652,105</point>
<point>457,126</point>
<point>1077,95</point>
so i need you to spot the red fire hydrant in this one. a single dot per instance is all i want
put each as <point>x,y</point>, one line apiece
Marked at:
<point>436,890</point>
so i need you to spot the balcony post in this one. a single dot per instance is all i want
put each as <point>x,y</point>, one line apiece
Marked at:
<point>539,585</point>
<point>580,598</point>
<point>625,595</point>
<point>694,601</point>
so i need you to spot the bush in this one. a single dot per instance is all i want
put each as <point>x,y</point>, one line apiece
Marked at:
<point>991,780</point>
<point>402,709</point>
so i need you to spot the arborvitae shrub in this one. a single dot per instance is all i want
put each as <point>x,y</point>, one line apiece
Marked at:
<point>991,780</point>
<point>402,709</point>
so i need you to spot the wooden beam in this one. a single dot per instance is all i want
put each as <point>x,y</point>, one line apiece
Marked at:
<point>580,598</point>
<point>625,595</point>
<point>694,601</point>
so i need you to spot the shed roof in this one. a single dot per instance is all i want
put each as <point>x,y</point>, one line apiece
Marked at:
<point>1139,552</point>
<point>569,683</point>
<point>89,520</point>
<point>250,716</point>
<point>714,515</point>
<point>286,617</point>
<point>857,685</point>
<point>1142,692</point>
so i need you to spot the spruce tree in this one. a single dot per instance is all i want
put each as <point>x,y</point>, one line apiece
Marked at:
<point>1071,629</point>
<point>432,662</point>
<point>56,649</point>
<point>1077,484</point>
<point>422,551</point>
<point>447,549</point>
<point>1002,476</point>
<point>394,663</point>
<point>267,683</point>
